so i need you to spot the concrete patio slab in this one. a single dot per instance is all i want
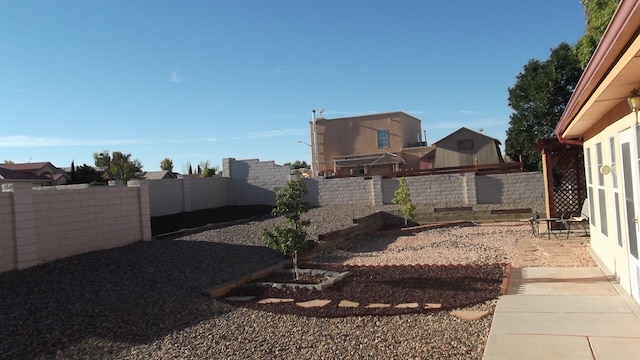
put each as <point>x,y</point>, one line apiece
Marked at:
<point>530,347</point>
<point>563,304</point>
<point>560,281</point>
<point>564,313</point>
<point>616,348</point>
<point>572,324</point>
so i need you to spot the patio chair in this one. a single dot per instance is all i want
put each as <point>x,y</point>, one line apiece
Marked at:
<point>568,219</point>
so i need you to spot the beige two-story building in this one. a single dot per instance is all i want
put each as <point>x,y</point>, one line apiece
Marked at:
<point>368,144</point>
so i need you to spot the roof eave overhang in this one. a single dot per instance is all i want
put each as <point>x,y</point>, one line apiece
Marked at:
<point>617,39</point>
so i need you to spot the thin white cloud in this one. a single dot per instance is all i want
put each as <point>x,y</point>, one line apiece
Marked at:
<point>17,90</point>
<point>469,112</point>
<point>31,141</point>
<point>279,70</point>
<point>34,141</point>
<point>273,133</point>
<point>462,112</point>
<point>175,76</point>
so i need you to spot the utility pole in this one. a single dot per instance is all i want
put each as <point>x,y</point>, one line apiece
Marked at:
<point>315,144</point>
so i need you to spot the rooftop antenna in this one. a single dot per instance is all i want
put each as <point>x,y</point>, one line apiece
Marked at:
<point>320,114</point>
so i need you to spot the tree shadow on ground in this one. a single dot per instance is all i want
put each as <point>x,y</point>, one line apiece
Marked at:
<point>132,294</point>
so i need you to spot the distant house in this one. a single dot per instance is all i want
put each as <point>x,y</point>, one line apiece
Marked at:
<point>159,175</point>
<point>359,145</point>
<point>465,147</point>
<point>382,144</point>
<point>39,174</point>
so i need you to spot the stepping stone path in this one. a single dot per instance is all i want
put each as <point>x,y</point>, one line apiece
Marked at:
<point>469,314</point>
<point>462,314</point>
<point>348,304</point>
<point>313,303</point>
<point>432,306</point>
<point>273,301</point>
<point>343,303</point>
<point>377,306</point>
<point>407,306</point>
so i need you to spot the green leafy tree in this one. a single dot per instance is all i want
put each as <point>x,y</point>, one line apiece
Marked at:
<point>118,166</point>
<point>597,14</point>
<point>403,198</point>
<point>86,174</point>
<point>206,169</point>
<point>8,161</point>
<point>291,238</point>
<point>538,99</point>
<point>166,164</point>
<point>72,173</point>
<point>297,165</point>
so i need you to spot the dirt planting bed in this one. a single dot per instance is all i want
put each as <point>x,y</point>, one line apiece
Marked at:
<point>433,288</point>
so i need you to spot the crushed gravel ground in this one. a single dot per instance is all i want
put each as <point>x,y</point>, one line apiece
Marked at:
<point>143,301</point>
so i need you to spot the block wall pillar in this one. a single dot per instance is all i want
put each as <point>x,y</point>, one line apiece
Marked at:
<point>26,243</point>
<point>470,193</point>
<point>143,203</point>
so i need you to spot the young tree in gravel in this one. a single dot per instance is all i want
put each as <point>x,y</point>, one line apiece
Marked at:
<point>403,198</point>
<point>291,238</point>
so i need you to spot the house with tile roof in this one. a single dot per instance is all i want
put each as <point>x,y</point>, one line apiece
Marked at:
<point>40,174</point>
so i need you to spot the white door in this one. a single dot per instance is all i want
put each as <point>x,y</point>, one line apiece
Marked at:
<point>630,151</point>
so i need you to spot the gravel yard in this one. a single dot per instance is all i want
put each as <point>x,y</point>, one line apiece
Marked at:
<point>143,301</point>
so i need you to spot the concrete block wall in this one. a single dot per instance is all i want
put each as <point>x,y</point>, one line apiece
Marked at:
<point>173,196</point>
<point>525,189</point>
<point>55,222</point>
<point>166,196</point>
<point>7,253</point>
<point>431,190</point>
<point>344,191</point>
<point>252,181</point>
<point>207,193</point>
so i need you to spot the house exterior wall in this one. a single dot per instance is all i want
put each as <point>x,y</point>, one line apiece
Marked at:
<point>55,222</point>
<point>608,224</point>
<point>358,135</point>
<point>448,154</point>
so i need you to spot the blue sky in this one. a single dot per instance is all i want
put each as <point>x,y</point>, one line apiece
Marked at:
<point>205,80</point>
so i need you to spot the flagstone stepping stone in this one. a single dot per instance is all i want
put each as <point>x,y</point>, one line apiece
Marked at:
<point>432,306</point>
<point>274,301</point>
<point>407,306</point>
<point>469,314</point>
<point>348,304</point>
<point>240,298</point>
<point>313,303</point>
<point>378,306</point>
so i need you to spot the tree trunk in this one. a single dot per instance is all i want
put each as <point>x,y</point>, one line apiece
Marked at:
<point>295,265</point>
